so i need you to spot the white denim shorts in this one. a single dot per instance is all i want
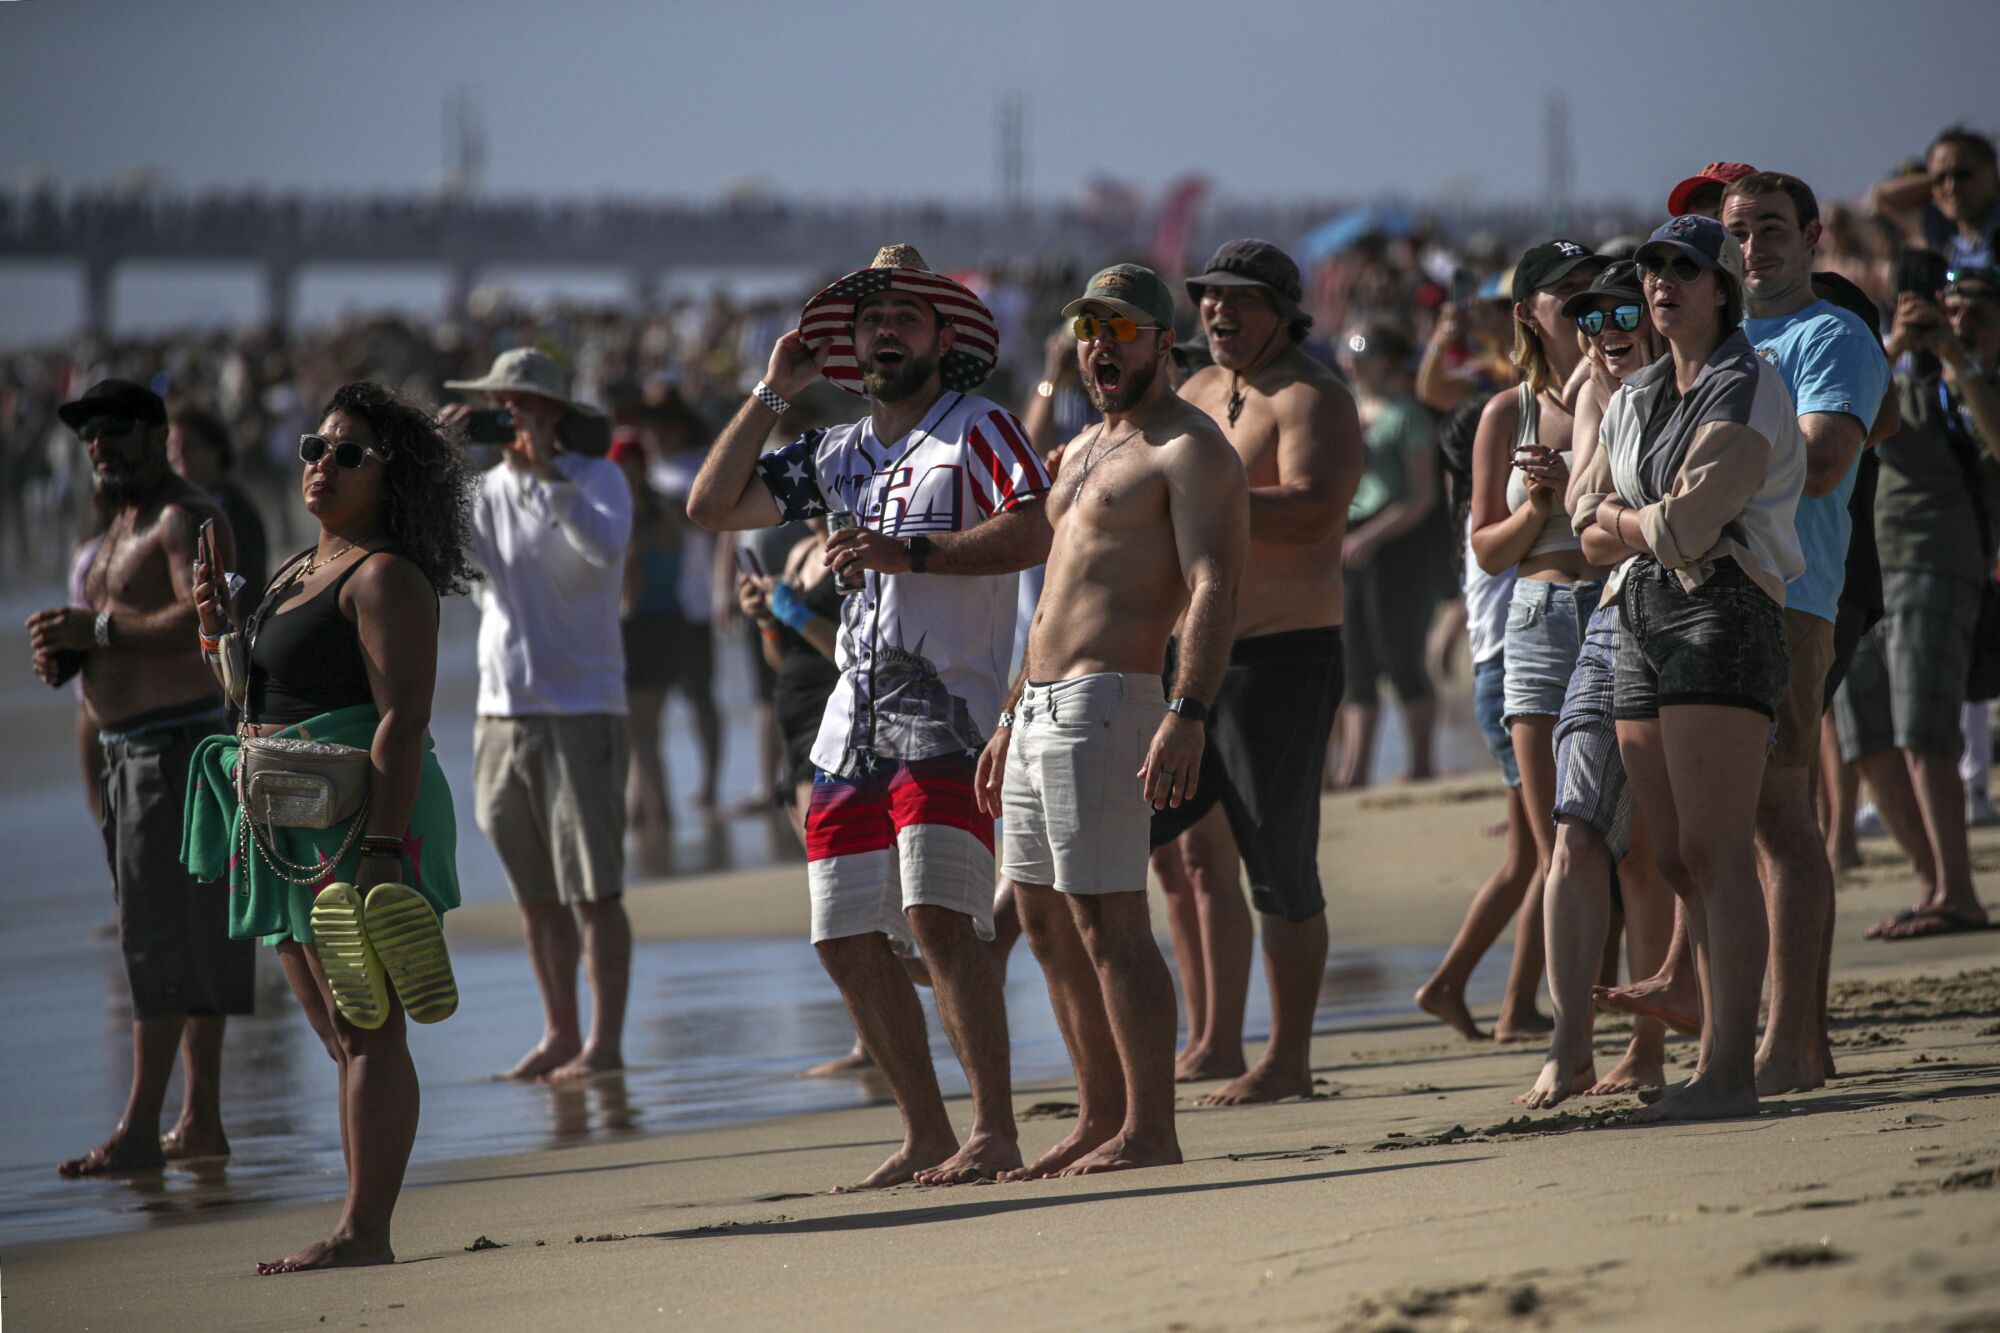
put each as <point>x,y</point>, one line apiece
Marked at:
<point>1074,817</point>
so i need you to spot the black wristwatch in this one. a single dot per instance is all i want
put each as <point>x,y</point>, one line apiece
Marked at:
<point>920,552</point>
<point>1192,710</point>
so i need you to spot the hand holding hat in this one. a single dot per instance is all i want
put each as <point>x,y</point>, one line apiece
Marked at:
<point>793,366</point>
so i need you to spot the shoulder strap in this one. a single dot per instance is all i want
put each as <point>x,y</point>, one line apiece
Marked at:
<point>1529,429</point>
<point>1965,448</point>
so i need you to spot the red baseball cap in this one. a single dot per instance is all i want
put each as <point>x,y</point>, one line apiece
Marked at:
<point>625,444</point>
<point>1715,173</point>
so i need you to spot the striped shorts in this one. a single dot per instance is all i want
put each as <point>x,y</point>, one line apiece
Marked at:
<point>1590,776</point>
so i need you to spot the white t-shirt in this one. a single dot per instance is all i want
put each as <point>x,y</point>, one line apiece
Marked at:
<point>554,559</point>
<point>923,657</point>
<point>1486,599</point>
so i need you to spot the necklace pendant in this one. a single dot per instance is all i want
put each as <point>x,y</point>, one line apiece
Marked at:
<point>1235,405</point>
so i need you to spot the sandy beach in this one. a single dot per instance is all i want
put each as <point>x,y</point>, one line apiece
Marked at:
<point>1411,1194</point>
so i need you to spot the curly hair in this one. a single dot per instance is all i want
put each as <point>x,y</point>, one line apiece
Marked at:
<point>428,492</point>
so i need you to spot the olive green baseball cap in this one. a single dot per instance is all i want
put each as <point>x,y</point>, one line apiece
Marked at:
<point>1137,293</point>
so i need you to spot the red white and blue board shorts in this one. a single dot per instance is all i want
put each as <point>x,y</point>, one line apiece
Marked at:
<point>907,833</point>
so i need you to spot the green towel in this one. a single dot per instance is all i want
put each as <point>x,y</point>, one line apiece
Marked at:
<point>264,904</point>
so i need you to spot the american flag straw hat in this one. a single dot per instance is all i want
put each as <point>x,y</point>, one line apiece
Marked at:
<point>828,319</point>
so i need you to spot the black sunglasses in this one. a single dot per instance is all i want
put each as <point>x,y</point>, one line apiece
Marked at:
<point>106,428</point>
<point>346,454</point>
<point>1625,317</point>
<point>1678,267</point>
<point>1956,175</point>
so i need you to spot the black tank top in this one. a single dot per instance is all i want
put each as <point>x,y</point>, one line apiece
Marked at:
<point>307,660</point>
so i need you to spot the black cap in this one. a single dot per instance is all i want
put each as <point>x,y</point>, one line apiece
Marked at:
<point>1549,262</point>
<point>115,398</point>
<point>1249,263</point>
<point>1618,279</point>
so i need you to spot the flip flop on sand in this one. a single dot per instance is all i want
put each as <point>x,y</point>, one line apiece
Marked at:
<point>405,934</point>
<point>353,972</point>
<point>1931,921</point>
<point>1880,930</point>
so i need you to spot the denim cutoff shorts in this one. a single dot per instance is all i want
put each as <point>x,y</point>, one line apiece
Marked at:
<point>1544,635</point>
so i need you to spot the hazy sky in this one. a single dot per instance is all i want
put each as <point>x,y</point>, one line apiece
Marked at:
<point>874,99</point>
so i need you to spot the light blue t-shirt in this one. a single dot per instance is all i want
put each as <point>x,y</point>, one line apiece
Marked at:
<point>1831,363</point>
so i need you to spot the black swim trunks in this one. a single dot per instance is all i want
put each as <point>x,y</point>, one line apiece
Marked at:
<point>172,929</point>
<point>1267,735</point>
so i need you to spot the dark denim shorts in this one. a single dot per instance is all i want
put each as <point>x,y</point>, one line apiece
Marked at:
<point>1723,643</point>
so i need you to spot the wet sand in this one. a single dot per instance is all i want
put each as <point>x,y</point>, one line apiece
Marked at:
<point>1411,1193</point>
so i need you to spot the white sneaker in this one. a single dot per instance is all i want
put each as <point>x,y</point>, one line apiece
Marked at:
<point>1868,824</point>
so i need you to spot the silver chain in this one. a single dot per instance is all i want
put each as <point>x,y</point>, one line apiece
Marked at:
<point>1091,459</point>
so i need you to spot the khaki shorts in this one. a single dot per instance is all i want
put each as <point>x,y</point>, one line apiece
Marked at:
<point>1809,640</point>
<point>1073,815</point>
<point>549,793</point>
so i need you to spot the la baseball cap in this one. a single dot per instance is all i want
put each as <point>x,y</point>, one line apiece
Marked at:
<point>1702,239</point>
<point>1715,173</point>
<point>1549,262</point>
<point>1133,291</point>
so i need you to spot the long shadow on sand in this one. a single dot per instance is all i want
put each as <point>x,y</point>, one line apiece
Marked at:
<point>988,1206</point>
<point>649,1163</point>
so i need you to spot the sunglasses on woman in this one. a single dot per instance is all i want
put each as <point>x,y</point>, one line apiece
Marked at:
<point>1124,330</point>
<point>347,454</point>
<point>1678,267</point>
<point>1625,317</point>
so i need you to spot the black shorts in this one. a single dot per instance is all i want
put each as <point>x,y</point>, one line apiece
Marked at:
<point>1389,609</point>
<point>1267,737</point>
<point>1723,643</point>
<point>172,929</point>
<point>665,652</point>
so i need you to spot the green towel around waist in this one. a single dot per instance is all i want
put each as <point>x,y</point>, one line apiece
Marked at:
<point>266,905</point>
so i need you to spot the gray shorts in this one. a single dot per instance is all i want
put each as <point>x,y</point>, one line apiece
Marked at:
<point>1544,635</point>
<point>1590,775</point>
<point>1074,815</point>
<point>1906,687</point>
<point>549,793</point>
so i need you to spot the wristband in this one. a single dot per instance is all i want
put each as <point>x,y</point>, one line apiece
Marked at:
<point>102,629</point>
<point>790,608</point>
<point>770,631</point>
<point>208,645</point>
<point>382,847</point>
<point>770,398</point>
<point>1618,526</point>
<point>1006,721</point>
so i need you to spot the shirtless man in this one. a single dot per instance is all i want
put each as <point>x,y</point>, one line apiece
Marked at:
<point>1150,519</point>
<point>1297,432</point>
<point>143,675</point>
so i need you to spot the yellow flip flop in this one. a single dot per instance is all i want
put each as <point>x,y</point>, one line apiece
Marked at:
<point>406,935</point>
<point>353,972</point>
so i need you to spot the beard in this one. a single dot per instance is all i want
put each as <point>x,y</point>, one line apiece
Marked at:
<point>1133,384</point>
<point>892,384</point>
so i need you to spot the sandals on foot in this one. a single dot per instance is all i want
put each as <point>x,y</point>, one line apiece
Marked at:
<point>353,972</point>
<point>406,936</point>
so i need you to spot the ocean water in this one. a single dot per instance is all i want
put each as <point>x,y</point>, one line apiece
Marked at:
<point>717,1033</point>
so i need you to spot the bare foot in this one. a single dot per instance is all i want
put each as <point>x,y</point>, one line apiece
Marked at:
<point>587,1065</point>
<point>1674,1002</point>
<point>855,1061</point>
<point>1554,1087</point>
<point>1082,1140</point>
<point>1447,1005</point>
<point>1531,1026</point>
<point>547,1054</point>
<point>1199,1065</point>
<point>903,1165</point>
<point>983,1157</point>
<point>1261,1084</point>
<point>1126,1152</point>
<point>1630,1074</point>
<point>1699,1098</point>
<point>333,1252</point>
<point>116,1156</point>
<point>187,1143</point>
<point>1791,1071</point>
